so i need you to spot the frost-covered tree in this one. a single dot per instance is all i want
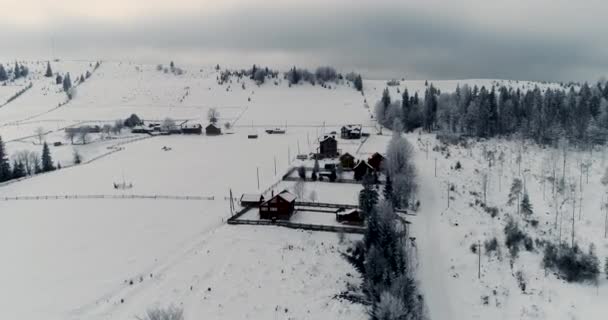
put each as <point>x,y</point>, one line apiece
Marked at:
<point>399,165</point>
<point>299,189</point>
<point>76,157</point>
<point>358,83</point>
<point>213,115</point>
<point>168,124</point>
<point>40,134</point>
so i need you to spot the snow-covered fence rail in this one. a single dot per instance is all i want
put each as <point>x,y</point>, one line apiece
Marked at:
<point>304,226</point>
<point>106,196</point>
<point>17,94</point>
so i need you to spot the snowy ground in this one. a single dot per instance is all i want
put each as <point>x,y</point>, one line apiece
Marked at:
<point>75,259</point>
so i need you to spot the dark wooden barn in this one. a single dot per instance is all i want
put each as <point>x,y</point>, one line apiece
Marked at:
<point>361,169</point>
<point>279,207</point>
<point>376,161</point>
<point>349,216</point>
<point>251,199</point>
<point>328,147</point>
<point>213,130</point>
<point>347,161</point>
<point>350,132</point>
<point>193,128</point>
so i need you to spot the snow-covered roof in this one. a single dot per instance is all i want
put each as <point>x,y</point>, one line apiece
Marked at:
<point>287,196</point>
<point>346,212</point>
<point>213,125</point>
<point>191,126</point>
<point>328,138</point>
<point>363,162</point>
<point>251,197</point>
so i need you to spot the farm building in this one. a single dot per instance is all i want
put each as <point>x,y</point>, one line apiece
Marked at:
<point>212,130</point>
<point>350,132</point>
<point>280,207</point>
<point>251,199</point>
<point>376,161</point>
<point>361,169</point>
<point>328,147</point>
<point>349,216</point>
<point>347,161</point>
<point>192,128</point>
<point>141,129</point>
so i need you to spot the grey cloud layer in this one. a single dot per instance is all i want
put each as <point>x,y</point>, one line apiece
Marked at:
<point>382,41</point>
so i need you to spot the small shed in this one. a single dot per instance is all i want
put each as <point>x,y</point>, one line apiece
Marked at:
<point>193,128</point>
<point>376,161</point>
<point>213,130</point>
<point>349,216</point>
<point>281,206</point>
<point>251,199</point>
<point>350,132</point>
<point>328,147</point>
<point>361,169</point>
<point>347,161</point>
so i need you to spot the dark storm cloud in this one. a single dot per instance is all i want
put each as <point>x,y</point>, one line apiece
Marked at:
<point>381,41</point>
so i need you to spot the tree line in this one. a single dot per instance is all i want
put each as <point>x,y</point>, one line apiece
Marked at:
<point>25,163</point>
<point>543,115</point>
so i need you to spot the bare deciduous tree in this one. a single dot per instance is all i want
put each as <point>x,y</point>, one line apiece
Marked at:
<point>213,115</point>
<point>40,134</point>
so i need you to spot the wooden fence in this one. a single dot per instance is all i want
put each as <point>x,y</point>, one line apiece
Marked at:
<point>106,196</point>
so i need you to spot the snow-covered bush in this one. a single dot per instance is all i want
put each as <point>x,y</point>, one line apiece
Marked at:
<point>514,237</point>
<point>169,313</point>
<point>572,263</point>
<point>491,245</point>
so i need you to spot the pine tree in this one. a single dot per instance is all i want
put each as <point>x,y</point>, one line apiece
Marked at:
<point>47,161</point>
<point>49,71</point>
<point>368,197</point>
<point>16,71</point>
<point>58,79</point>
<point>358,83</point>
<point>606,267</point>
<point>526,206</point>
<point>5,167</point>
<point>386,98</point>
<point>18,170</point>
<point>3,75</point>
<point>388,190</point>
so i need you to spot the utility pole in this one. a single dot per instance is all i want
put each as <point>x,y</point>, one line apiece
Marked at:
<point>257,170</point>
<point>573,209</point>
<point>448,194</point>
<point>288,155</point>
<point>479,260</point>
<point>275,165</point>
<point>435,167</point>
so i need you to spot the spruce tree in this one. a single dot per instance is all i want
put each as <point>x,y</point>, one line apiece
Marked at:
<point>47,161</point>
<point>16,71</point>
<point>526,206</point>
<point>3,75</point>
<point>358,83</point>
<point>58,79</point>
<point>368,197</point>
<point>18,170</point>
<point>388,190</point>
<point>49,71</point>
<point>5,167</point>
<point>386,98</point>
<point>67,82</point>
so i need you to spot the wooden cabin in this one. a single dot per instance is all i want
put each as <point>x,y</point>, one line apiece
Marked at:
<point>347,161</point>
<point>279,207</point>
<point>361,169</point>
<point>213,130</point>
<point>251,199</point>
<point>376,161</point>
<point>350,132</point>
<point>328,147</point>
<point>349,216</point>
<point>142,129</point>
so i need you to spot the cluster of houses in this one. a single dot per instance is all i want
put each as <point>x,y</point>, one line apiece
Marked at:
<point>361,167</point>
<point>282,206</point>
<point>183,128</point>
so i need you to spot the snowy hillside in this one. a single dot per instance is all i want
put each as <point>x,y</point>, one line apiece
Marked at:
<point>112,258</point>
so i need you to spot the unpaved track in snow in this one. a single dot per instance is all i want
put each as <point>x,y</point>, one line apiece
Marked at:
<point>433,267</point>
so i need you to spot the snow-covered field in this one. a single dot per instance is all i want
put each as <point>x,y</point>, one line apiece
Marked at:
<point>75,259</point>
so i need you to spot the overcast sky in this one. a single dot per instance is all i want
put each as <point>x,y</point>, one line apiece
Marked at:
<point>415,39</point>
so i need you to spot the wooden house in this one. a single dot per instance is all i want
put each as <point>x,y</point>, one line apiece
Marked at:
<point>279,207</point>
<point>350,132</point>
<point>213,130</point>
<point>361,169</point>
<point>328,147</point>
<point>347,161</point>
<point>142,129</point>
<point>349,216</point>
<point>251,199</point>
<point>193,128</point>
<point>376,161</point>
